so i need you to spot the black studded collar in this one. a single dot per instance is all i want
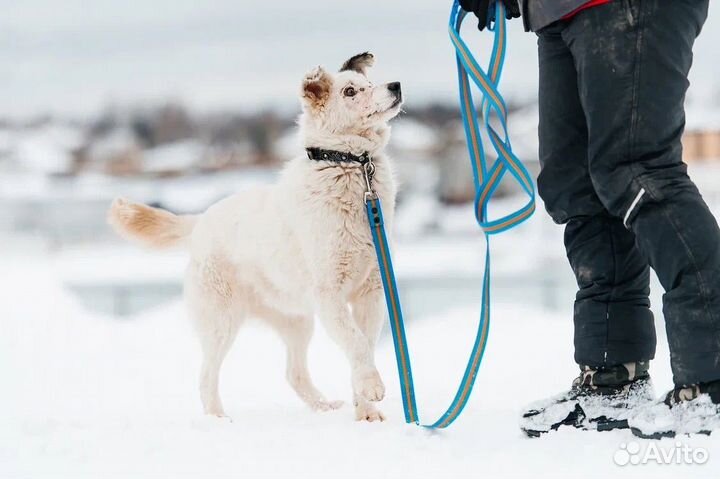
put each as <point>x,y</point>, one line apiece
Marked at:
<point>318,154</point>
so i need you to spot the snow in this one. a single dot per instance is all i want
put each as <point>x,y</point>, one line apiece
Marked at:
<point>186,193</point>
<point>698,415</point>
<point>47,149</point>
<point>118,265</point>
<point>6,143</point>
<point>702,117</point>
<point>118,141</point>
<point>173,157</point>
<point>413,136</point>
<point>88,396</point>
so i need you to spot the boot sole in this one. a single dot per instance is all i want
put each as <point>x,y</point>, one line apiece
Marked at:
<point>660,435</point>
<point>533,434</point>
<point>603,426</point>
<point>574,419</point>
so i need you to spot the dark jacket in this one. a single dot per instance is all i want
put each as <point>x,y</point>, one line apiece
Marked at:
<point>538,14</point>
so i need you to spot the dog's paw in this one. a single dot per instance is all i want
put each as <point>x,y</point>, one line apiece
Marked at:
<point>322,405</point>
<point>369,385</point>
<point>368,412</point>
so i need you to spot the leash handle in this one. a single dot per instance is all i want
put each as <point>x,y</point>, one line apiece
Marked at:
<point>486,181</point>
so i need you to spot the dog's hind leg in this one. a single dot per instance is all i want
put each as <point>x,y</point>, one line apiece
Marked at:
<point>368,311</point>
<point>215,347</point>
<point>212,296</point>
<point>296,332</point>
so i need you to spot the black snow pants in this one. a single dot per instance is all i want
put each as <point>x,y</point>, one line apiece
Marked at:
<point>612,89</point>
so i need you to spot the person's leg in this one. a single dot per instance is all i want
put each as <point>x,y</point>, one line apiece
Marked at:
<point>613,322</point>
<point>614,329</point>
<point>633,58</point>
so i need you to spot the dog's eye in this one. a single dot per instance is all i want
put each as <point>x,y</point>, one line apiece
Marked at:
<point>350,91</point>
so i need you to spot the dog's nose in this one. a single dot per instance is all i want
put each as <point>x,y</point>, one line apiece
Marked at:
<point>394,87</point>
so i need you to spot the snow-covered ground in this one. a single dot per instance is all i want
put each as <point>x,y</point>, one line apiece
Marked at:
<point>92,396</point>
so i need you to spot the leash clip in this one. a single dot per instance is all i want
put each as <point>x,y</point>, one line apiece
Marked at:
<point>368,173</point>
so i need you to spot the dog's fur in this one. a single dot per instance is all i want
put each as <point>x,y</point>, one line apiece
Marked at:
<point>287,252</point>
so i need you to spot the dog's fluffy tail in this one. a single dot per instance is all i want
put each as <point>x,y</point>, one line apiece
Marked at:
<point>150,226</point>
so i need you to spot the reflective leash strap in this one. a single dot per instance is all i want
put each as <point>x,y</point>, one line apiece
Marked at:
<point>486,181</point>
<point>402,355</point>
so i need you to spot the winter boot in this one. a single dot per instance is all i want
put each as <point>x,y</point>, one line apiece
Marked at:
<point>685,410</point>
<point>600,399</point>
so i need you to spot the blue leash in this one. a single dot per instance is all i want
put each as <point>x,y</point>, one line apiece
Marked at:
<point>486,181</point>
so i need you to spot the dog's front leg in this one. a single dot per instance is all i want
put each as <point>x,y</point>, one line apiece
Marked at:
<point>368,306</point>
<point>335,315</point>
<point>368,310</point>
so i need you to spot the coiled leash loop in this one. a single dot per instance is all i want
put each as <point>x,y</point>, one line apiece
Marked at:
<point>486,181</point>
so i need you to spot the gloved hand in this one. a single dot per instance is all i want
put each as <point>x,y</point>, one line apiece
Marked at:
<point>481,9</point>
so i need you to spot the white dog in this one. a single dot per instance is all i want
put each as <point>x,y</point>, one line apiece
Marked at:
<point>302,247</point>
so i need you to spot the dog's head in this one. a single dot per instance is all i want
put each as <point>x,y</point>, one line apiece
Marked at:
<point>347,102</point>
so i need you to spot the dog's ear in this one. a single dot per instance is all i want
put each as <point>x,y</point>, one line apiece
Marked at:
<point>359,63</point>
<point>316,87</point>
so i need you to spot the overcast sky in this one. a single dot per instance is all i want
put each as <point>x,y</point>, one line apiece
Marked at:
<point>74,57</point>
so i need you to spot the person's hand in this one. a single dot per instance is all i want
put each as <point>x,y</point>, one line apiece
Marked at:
<point>481,9</point>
